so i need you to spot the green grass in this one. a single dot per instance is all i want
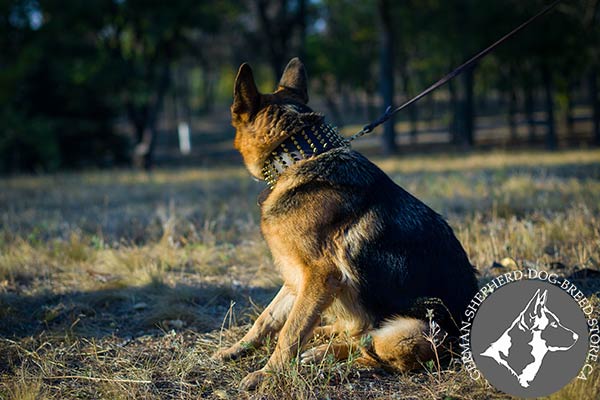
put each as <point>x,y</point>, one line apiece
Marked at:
<point>121,284</point>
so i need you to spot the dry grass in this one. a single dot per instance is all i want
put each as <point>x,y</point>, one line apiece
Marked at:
<point>116,284</point>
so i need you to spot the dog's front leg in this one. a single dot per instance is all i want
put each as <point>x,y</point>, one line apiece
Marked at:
<point>267,324</point>
<point>315,295</point>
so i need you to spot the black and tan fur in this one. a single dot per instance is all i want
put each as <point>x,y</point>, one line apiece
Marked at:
<point>357,252</point>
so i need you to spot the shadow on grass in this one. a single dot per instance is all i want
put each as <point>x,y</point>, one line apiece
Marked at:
<point>130,312</point>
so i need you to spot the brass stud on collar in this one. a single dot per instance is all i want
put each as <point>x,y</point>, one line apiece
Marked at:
<point>313,136</point>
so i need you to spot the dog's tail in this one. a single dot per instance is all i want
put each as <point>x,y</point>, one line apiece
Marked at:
<point>400,344</point>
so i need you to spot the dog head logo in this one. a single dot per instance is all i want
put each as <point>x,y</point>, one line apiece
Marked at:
<point>529,338</point>
<point>541,329</point>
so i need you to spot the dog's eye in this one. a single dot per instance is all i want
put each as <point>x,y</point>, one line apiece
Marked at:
<point>554,325</point>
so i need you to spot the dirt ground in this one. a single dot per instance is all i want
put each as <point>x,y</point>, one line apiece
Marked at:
<point>121,284</point>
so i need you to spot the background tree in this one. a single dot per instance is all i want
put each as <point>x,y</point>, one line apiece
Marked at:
<point>591,29</point>
<point>144,42</point>
<point>56,87</point>
<point>387,72</point>
<point>341,31</point>
<point>85,84</point>
<point>281,30</point>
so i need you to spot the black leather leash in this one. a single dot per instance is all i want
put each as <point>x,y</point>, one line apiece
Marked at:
<point>389,112</point>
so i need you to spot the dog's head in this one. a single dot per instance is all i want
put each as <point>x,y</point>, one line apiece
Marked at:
<point>263,121</point>
<point>537,317</point>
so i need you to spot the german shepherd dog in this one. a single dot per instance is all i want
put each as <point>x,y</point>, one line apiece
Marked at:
<point>358,253</point>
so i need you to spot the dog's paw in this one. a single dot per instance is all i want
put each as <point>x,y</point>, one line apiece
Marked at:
<point>324,332</point>
<point>253,379</point>
<point>230,353</point>
<point>314,355</point>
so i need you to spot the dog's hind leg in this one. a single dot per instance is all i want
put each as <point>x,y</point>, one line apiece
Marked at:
<point>399,344</point>
<point>266,325</point>
<point>340,348</point>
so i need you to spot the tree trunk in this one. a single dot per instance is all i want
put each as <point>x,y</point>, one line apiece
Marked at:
<point>387,74</point>
<point>355,103</point>
<point>512,114</point>
<point>344,91</point>
<point>370,104</point>
<point>569,119</point>
<point>330,100</point>
<point>143,155</point>
<point>430,106</point>
<point>595,106</point>
<point>138,118</point>
<point>412,110</point>
<point>512,105</point>
<point>466,118</point>
<point>413,115</point>
<point>208,93</point>
<point>302,29</point>
<point>336,116</point>
<point>551,141</point>
<point>275,39</point>
<point>453,109</point>
<point>529,110</point>
<point>592,17</point>
<point>279,29</point>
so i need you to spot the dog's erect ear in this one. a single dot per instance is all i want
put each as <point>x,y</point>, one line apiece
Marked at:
<point>535,308</point>
<point>530,311</point>
<point>246,98</point>
<point>294,79</point>
<point>540,303</point>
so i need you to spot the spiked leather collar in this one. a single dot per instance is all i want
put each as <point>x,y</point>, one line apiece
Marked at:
<point>306,143</point>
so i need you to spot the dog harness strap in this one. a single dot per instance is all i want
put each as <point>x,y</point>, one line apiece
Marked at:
<point>306,143</point>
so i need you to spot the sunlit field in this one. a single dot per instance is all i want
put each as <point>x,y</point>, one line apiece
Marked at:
<point>120,284</point>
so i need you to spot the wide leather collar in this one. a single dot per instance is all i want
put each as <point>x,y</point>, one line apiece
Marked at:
<point>305,144</point>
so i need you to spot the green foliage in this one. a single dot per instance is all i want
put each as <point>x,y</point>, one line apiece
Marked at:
<point>27,142</point>
<point>70,70</point>
<point>345,47</point>
<point>56,90</point>
<point>433,36</point>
